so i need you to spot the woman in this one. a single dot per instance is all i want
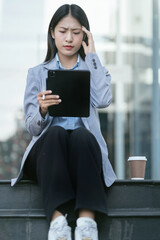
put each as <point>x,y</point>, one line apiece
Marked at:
<point>67,156</point>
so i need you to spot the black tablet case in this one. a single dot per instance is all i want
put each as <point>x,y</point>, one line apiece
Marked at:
<point>73,87</point>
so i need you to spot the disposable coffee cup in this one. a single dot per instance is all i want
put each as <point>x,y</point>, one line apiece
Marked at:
<point>137,167</point>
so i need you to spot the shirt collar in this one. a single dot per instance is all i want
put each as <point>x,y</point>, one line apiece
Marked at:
<point>59,65</point>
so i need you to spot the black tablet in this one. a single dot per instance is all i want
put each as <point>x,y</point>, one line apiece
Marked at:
<point>73,87</point>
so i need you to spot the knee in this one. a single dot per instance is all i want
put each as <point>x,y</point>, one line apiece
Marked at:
<point>56,131</point>
<point>80,131</point>
<point>81,134</point>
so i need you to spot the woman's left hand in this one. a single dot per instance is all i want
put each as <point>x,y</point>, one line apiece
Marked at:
<point>90,48</point>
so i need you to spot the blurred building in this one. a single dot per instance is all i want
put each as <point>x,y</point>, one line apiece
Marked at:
<point>125,47</point>
<point>21,26</point>
<point>12,150</point>
<point>130,51</point>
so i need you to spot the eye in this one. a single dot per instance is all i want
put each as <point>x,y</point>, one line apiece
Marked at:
<point>76,33</point>
<point>62,31</point>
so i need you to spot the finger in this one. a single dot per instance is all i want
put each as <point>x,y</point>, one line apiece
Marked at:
<point>84,44</point>
<point>84,29</point>
<point>44,93</point>
<point>41,98</point>
<point>89,34</point>
<point>51,97</point>
<point>85,47</point>
<point>45,105</point>
<point>52,101</point>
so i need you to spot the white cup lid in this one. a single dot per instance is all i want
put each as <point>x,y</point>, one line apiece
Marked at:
<point>132,158</point>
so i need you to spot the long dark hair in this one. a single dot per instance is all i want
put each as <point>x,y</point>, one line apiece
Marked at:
<point>76,12</point>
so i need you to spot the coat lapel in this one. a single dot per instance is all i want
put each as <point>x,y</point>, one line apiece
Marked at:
<point>51,65</point>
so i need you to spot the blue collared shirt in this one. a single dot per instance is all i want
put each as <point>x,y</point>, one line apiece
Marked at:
<point>69,123</point>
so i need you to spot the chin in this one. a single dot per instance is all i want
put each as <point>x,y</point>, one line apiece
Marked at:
<point>70,54</point>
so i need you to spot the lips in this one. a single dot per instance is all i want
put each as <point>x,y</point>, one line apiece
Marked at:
<point>68,47</point>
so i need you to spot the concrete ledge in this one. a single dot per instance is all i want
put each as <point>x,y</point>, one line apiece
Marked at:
<point>133,212</point>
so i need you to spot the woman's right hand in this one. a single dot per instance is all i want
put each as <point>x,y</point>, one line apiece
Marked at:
<point>46,99</point>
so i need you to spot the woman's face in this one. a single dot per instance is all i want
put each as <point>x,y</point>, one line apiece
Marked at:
<point>68,36</point>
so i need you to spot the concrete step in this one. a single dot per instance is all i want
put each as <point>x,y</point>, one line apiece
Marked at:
<point>133,212</point>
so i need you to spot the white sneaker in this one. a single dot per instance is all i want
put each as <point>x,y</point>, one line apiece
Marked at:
<point>59,229</point>
<point>86,229</point>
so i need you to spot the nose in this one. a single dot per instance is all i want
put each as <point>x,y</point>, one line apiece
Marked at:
<point>69,37</point>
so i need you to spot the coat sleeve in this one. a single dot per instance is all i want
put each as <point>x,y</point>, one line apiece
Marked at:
<point>101,95</point>
<point>35,123</point>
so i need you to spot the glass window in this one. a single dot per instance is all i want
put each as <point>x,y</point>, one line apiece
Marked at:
<point>126,42</point>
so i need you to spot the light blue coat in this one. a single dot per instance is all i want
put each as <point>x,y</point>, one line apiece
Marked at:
<point>101,97</point>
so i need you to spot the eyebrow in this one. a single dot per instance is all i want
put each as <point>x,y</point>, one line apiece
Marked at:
<point>72,28</point>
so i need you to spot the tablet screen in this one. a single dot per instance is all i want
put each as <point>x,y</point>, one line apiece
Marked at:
<point>73,87</point>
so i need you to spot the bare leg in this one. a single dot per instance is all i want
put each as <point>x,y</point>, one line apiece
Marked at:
<point>86,213</point>
<point>56,214</point>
